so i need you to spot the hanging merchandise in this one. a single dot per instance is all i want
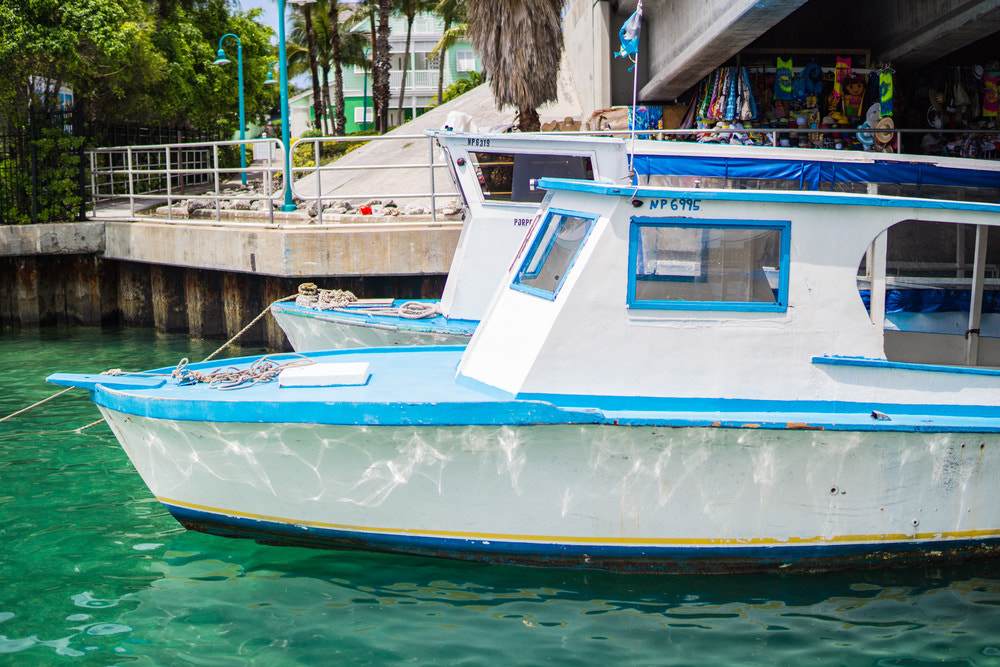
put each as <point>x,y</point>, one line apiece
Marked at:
<point>853,95</point>
<point>992,80</point>
<point>885,91</point>
<point>748,105</point>
<point>646,117</point>
<point>840,73</point>
<point>783,80</point>
<point>812,83</point>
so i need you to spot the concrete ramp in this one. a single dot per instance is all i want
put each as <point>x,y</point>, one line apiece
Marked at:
<point>395,152</point>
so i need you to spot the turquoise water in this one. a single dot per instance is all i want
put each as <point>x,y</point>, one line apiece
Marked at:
<point>94,571</point>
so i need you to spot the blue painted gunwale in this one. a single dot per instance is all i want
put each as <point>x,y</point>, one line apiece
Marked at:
<point>750,196</point>
<point>438,324</point>
<point>636,557</point>
<point>419,387</point>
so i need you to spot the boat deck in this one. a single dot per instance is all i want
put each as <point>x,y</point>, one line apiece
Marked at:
<point>418,386</point>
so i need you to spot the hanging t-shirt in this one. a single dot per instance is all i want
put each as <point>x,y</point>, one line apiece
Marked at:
<point>783,77</point>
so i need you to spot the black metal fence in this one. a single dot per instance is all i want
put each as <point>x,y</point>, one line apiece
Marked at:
<point>43,170</point>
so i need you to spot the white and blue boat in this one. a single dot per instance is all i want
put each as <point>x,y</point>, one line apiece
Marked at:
<point>493,172</point>
<point>669,378</point>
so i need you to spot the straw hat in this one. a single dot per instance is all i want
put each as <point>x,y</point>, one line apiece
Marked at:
<point>865,138</point>
<point>884,136</point>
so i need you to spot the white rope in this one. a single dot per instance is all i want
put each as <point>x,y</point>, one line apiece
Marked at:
<point>310,296</point>
<point>35,405</point>
<point>261,370</point>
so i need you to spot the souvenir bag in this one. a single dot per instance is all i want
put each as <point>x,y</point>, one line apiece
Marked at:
<point>992,80</point>
<point>840,73</point>
<point>748,105</point>
<point>783,77</point>
<point>706,95</point>
<point>885,92</point>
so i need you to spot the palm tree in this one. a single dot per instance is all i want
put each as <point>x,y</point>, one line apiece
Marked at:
<point>409,9</point>
<point>452,12</point>
<point>519,43</point>
<point>318,109</point>
<point>380,68</point>
<point>301,60</point>
<point>349,48</point>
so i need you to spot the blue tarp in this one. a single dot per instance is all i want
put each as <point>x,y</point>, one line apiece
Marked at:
<point>811,173</point>
<point>933,300</point>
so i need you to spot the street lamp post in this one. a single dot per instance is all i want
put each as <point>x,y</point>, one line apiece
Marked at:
<point>289,205</point>
<point>221,59</point>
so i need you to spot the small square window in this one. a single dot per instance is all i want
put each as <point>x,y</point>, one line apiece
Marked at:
<point>553,252</point>
<point>708,265</point>
<point>465,61</point>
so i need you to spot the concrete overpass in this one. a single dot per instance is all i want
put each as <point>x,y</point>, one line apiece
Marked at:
<point>684,40</point>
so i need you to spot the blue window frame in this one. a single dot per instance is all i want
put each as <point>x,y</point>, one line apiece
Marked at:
<point>686,264</point>
<point>553,251</point>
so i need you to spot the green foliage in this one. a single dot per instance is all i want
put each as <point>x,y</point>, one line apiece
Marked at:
<point>134,60</point>
<point>58,170</point>
<point>461,87</point>
<point>304,154</point>
<point>57,160</point>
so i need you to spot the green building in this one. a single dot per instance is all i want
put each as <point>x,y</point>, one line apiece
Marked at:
<point>421,77</point>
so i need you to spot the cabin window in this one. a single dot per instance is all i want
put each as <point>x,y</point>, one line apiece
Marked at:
<point>552,252</point>
<point>934,290</point>
<point>708,265</point>
<point>508,176</point>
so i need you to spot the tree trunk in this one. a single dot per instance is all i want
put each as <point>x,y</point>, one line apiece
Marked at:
<point>527,120</point>
<point>311,44</point>
<point>441,60</point>
<point>406,64</point>
<point>381,67</point>
<point>339,118</point>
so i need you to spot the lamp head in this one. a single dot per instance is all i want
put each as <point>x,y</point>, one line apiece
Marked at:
<point>221,59</point>
<point>301,2</point>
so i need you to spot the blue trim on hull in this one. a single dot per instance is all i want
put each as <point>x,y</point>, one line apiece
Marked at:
<point>638,559</point>
<point>418,387</point>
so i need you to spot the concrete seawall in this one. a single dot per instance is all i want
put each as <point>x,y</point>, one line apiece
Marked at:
<point>205,278</point>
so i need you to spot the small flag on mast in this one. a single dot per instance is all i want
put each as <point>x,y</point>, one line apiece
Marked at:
<point>629,34</point>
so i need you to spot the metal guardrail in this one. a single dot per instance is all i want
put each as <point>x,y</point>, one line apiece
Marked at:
<point>145,176</point>
<point>171,173</point>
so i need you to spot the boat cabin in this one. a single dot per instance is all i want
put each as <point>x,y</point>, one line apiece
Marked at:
<point>494,175</point>
<point>747,294</point>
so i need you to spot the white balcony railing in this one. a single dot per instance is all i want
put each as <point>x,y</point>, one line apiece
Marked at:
<point>419,80</point>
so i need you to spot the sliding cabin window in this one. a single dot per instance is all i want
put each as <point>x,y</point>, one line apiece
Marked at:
<point>934,290</point>
<point>507,176</point>
<point>552,252</point>
<point>708,264</point>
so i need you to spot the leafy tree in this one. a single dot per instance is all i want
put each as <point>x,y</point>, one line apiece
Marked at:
<point>519,43</point>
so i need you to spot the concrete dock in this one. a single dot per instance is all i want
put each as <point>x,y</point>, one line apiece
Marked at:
<point>207,278</point>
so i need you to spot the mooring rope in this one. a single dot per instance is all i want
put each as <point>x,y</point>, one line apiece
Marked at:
<point>264,369</point>
<point>35,405</point>
<point>118,371</point>
<point>310,296</point>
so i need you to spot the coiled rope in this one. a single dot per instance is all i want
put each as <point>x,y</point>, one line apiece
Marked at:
<point>261,370</point>
<point>118,371</point>
<point>310,296</point>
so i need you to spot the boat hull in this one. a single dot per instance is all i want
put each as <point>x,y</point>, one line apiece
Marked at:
<point>622,498</point>
<point>310,330</point>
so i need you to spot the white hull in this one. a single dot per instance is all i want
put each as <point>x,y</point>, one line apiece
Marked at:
<point>312,334</point>
<point>625,498</point>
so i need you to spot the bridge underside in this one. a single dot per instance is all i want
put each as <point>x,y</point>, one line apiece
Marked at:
<point>685,40</point>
